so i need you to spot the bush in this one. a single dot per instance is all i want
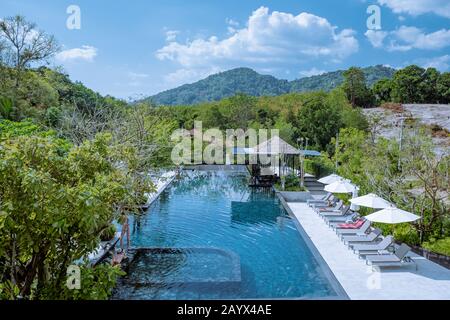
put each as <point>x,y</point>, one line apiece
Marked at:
<point>406,234</point>
<point>319,167</point>
<point>441,246</point>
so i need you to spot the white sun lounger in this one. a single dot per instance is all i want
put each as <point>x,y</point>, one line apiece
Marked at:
<point>372,249</point>
<point>324,201</point>
<point>362,238</point>
<point>396,259</point>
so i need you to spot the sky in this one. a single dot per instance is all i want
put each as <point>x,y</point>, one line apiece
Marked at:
<point>136,48</point>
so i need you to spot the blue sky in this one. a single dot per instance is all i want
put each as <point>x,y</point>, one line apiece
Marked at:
<point>132,48</point>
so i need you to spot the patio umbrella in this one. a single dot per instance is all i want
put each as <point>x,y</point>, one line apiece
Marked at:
<point>371,201</point>
<point>342,186</point>
<point>392,215</point>
<point>330,179</point>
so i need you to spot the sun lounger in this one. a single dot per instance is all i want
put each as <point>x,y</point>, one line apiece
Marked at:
<point>396,259</point>
<point>333,221</point>
<point>352,225</point>
<point>337,207</point>
<point>325,200</point>
<point>359,227</point>
<point>335,213</point>
<point>372,249</point>
<point>362,238</point>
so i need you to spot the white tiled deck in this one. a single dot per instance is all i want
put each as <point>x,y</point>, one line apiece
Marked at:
<point>430,281</point>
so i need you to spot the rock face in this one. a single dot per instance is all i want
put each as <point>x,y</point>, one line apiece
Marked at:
<point>426,114</point>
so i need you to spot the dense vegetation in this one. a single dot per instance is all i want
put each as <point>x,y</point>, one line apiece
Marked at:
<point>414,84</point>
<point>247,81</point>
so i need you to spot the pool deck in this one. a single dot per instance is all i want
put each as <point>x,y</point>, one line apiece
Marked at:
<point>359,281</point>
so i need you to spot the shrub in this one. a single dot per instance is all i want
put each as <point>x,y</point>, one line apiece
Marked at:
<point>441,246</point>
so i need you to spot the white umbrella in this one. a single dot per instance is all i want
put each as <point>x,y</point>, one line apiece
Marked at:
<point>330,179</point>
<point>342,186</point>
<point>392,215</point>
<point>371,201</point>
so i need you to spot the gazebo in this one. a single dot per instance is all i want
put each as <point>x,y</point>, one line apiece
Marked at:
<point>281,154</point>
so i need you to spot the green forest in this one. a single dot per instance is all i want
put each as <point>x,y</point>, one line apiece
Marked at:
<point>248,81</point>
<point>73,161</point>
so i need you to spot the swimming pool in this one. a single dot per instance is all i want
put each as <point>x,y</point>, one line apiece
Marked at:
<point>216,209</point>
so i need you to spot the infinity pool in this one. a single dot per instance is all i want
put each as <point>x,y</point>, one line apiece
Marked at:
<point>214,209</point>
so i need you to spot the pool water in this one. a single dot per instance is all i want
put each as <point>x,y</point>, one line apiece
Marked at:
<point>216,209</point>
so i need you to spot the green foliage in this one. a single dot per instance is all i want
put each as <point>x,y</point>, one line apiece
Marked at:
<point>355,87</point>
<point>55,204</point>
<point>6,107</point>
<point>318,121</point>
<point>96,284</point>
<point>443,87</point>
<point>319,166</point>
<point>9,129</point>
<point>416,186</point>
<point>247,81</point>
<point>441,246</point>
<point>108,233</point>
<point>406,83</point>
<point>414,84</point>
<point>382,91</point>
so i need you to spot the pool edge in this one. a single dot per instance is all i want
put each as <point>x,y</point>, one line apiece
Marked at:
<point>341,294</point>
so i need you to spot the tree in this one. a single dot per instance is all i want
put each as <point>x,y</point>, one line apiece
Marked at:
<point>443,87</point>
<point>56,201</point>
<point>406,85</point>
<point>428,86</point>
<point>25,44</point>
<point>240,111</point>
<point>318,121</point>
<point>382,90</point>
<point>356,89</point>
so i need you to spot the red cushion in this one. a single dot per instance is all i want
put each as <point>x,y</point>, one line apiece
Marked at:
<point>355,225</point>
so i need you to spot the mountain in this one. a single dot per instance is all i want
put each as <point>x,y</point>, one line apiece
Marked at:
<point>330,80</point>
<point>248,81</point>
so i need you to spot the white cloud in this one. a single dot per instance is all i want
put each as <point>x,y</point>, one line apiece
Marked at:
<point>275,38</point>
<point>441,63</point>
<point>311,72</point>
<point>418,7</point>
<point>232,26</point>
<point>376,38</point>
<point>232,22</point>
<point>86,53</point>
<point>171,35</point>
<point>408,38</point>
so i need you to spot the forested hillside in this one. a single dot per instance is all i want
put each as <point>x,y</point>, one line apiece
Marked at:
<point>248,81</point>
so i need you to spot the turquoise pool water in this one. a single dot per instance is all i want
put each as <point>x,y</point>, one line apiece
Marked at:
<point>209,209</point>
